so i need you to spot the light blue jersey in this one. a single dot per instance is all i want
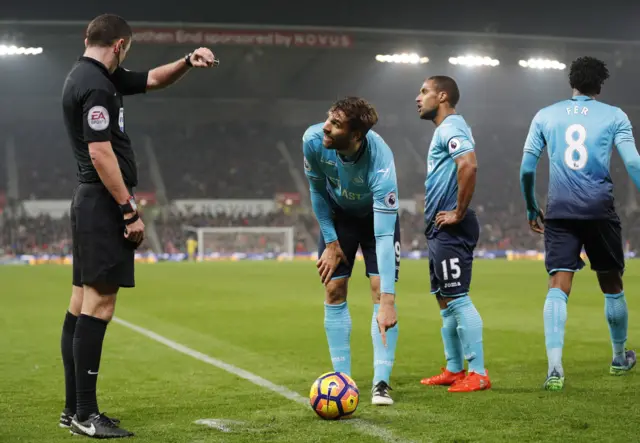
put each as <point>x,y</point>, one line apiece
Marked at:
<point>451,139</point>
<point>579,135</point>
<point>365,184</point>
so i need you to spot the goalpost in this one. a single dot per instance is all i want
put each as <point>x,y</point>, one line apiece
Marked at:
<point>258,240</point>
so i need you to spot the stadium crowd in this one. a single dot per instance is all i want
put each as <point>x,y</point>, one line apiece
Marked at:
<point>241,161</point>
<point>46,235</point>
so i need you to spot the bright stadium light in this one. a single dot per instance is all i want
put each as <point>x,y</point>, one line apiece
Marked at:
<point>542,63</point>
<point>474,60</point>
<point>412,59</point>
<point>18,50</point>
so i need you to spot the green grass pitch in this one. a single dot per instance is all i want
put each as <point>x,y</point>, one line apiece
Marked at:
<point>267,318</point>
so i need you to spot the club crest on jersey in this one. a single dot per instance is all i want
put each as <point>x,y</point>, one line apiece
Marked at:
<point>307,166</point>
<point>454,144</point>
<point>390,200</point>
<point>98,118</point>
<point>358,180</point>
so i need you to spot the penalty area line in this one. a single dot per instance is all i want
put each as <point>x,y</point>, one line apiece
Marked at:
<point>362,426</point>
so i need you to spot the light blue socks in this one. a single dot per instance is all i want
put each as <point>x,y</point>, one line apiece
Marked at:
<point>469,331</point>
<point>555,318</point>
<point>337,325</point>
<point>615,309</point>
<point>383,358</point>
<point>452,345</point>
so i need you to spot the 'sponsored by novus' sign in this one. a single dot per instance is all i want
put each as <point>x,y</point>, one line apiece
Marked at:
<point>287,39</point>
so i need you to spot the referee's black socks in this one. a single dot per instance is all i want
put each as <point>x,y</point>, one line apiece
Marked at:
<point>66,345</point>
<point>87,349</point>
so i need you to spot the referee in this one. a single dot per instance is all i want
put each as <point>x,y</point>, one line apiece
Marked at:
<point>106,227</point>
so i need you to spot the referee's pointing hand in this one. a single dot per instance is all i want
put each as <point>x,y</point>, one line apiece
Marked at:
<point>135,231</point>
<point>202,58</point>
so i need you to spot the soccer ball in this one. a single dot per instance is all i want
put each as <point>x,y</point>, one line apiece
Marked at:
<point>334,395</point>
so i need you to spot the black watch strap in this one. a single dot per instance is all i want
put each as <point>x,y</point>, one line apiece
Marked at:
<point>187,60</point>
<point>135,218</point>
<point>129,207</point>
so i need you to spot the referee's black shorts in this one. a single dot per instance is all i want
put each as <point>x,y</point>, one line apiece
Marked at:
<point>101,254</point>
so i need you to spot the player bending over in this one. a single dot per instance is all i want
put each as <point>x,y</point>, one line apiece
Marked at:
<point>579,134</point>
<point>452,234</point>
<point>354,195</point>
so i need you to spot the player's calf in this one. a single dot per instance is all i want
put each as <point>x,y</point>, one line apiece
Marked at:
<point>470,332</point>
<point>452,349</point>
<point>617,315</point>
<point>337,325</point>
<point>555,319</point>
<point>383,356</point>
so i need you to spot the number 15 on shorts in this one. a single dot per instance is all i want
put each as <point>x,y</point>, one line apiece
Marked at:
<point>451,271</point>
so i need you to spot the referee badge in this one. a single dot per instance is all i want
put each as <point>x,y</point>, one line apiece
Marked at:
<point>98,118</point>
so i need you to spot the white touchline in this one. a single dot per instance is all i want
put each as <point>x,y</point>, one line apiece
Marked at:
<point>362,426</point>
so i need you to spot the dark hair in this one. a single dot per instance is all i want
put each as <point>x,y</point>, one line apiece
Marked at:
<point>361,114</point>
<point>448,85</point>
<point>106,29</point>
<point>587,74</point>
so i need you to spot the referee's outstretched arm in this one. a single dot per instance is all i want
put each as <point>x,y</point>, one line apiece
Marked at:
<point>105,224</point>
<point>166,75</point>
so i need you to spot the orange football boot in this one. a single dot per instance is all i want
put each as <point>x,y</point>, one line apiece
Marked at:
<point>472,382</point>
<point>446,378</point>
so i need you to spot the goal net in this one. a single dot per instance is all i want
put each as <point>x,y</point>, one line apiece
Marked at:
<point>244,242</point>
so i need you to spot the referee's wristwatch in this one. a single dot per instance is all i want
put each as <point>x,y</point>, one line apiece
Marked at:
<point>130,207</point>
<point>187,59</point>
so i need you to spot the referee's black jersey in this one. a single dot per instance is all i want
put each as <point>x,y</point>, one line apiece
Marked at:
<point>94,112</point>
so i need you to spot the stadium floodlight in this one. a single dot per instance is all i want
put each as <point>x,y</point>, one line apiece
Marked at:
<point>405,58</point>
<point>18,50</point>
<point>474,60</point>
<point>542,63</point>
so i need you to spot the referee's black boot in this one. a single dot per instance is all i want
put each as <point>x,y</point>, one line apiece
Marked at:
<point>66,416</point>
<point>98,426</point>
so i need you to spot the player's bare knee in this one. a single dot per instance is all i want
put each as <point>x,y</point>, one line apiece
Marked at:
<point>336,291</point>
<point>374,282</point>
<point>562,280</point>
<point>75,304</point>
<point>442,302</point>
<point>100,301</point>
<point>610,282</point>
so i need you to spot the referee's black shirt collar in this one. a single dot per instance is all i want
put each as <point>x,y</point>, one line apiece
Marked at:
<point>102,67</point>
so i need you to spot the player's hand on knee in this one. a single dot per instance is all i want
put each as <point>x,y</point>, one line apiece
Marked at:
<point>134,232</point>
<point>329,261</point>
<point>387,316</point>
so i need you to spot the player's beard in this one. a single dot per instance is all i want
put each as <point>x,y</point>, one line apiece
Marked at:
<point>338,144</point>
<point>430,114</point>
